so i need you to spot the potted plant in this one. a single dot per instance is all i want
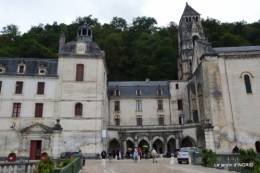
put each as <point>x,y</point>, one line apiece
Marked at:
<point>11,157</point>
<point>43,155</point>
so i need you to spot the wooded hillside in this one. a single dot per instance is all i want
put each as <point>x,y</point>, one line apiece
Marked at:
<point>134,51</point>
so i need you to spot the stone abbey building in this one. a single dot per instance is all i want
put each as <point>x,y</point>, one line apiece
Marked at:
<point>68,105</point>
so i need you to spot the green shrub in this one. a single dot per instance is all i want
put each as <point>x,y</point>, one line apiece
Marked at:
<point>206,159</point>
<point>46,165</point>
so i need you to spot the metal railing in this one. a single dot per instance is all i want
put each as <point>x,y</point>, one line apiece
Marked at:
<point>73,167</point>
<point>231,162</point>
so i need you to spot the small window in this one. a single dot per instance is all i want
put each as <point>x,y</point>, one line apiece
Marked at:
<point>138,105</point>
<point>139,120</point>
<point>89,32</point>
<point>159,92</point>
<point>19,88</point>
<point>160,105</point>
<point>117,92</point>
<point>186,19</point>
<point>161,120</point>
<point>38,109</point>
<point>180,105</point>
<point>78,109</point>
<point>16,109</point>
<point>117,120</point>
<point>80,72</point>
<point>177,86</point>
<point>0,87</point>
<point>21,69</point>
<point>138,92</point>
<point>40,88</point>
<point>247,84</point>
<point>196,19</point>
<point>117,105</point>
<point>79,33</point>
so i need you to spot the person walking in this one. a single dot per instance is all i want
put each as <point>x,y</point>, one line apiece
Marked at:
<point>110,155</point>
<point>140,153</point>
<point>122,154</point>
<point>153,153</point>
<point>103,154</point>
<point>135,155</point>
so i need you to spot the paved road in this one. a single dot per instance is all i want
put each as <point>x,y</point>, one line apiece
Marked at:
<point>144,166</point>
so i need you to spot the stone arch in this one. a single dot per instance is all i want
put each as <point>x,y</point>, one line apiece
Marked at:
<point>158,146</point>
<point>130,139</point>
<point>169,137</point>
<point>114,144</point>
<point>171,144</point>
<point>201,102</point>
<point>143,138</point>
<point>157,137</point>
<point>194,38</point>
<point>188,142</point>
<point>246,72</point>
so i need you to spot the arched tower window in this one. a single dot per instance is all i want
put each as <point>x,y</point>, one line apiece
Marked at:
<point>247,84</point>
<point>80,72</point>
<point>89,32</point>
<point>78,109</point>
<point>194,38</point>
<point>196,19</point>
<point>186,19</point>
<point>84,32</point>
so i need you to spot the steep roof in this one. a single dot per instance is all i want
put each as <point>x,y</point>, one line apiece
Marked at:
<point>148,89</point>
<point>189,10</point>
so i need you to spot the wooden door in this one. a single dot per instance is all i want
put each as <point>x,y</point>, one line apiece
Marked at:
<point>35,150</point>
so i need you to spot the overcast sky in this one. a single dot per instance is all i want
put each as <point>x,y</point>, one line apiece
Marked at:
<point>27,13</point>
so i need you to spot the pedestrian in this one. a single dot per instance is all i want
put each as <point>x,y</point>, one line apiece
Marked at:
<point>235,150</point>
<point>122,154</point>
<point>110,155</point>
<point>103,154</point>
<point>140,153</point>
<point>135,154</point>
<point>154,155</point>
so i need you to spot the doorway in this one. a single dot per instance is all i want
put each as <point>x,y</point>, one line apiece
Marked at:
<point>35,149</point>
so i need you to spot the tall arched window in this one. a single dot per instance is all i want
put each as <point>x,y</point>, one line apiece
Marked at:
<point>247,84</point>
<point>80,72</point>
<point>78,109</point>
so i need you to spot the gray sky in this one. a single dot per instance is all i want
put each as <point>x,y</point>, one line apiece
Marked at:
<point>27,13</point>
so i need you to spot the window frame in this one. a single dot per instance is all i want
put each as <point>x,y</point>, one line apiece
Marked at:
<point>117,92</point>
<point>40,88</point>
<point>80,72</point>
<point>138,92</point>
<point>138,105</point>
<point>1,87</point>
<point>117,105</point>
<point>161,120</point>
<point>78,109</point>
<point>117,120</point>
<point>139,120</point>
<point>16,110</point>
<point>160,104</point>
<point>38,110</point>
<point>19,87</point>
<point>159,92</point>
<point>180,104</point>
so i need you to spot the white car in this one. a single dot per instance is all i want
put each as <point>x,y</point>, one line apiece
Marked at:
<point>183,154</point>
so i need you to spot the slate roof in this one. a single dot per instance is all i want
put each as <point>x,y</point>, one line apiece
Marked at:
<point>148,89</point>
<point>32,65</point>
<point>69,48</point>
<point>189,10</point>
<point>237,49</point>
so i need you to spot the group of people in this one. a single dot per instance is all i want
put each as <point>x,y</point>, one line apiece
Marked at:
<point>112,154</point>
<point>136,153</point>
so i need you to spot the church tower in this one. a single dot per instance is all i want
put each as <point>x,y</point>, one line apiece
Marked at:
<point>190,30</point>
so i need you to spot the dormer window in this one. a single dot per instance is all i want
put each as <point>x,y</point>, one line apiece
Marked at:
<point>21,68</point>
<point>138,92</point>
<point>159,92</point>
<point>42,70</point>
<point>117,92</point>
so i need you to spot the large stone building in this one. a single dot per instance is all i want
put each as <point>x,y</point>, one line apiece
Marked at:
<point>68,105</point>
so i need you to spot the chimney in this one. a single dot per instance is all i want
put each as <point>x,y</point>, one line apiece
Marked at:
<point>147,80</point>
<point>62,40</point>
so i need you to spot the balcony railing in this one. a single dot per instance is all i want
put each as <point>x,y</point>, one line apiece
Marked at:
<point>18,167</point>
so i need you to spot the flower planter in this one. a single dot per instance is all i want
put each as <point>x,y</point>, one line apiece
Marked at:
<point>11,157</point>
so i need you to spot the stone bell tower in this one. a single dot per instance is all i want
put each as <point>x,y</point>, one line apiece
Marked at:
<point>189,30</point>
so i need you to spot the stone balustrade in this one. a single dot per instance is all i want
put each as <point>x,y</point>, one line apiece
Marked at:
<point>18,167</point>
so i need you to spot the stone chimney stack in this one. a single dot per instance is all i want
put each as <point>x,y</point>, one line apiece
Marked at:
<point>62,40</point>
<point>147,80</point>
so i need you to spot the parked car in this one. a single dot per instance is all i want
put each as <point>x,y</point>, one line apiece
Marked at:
<point>69,155</point>
<point>183,154</point>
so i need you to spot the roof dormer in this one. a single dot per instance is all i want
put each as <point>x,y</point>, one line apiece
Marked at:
<point>42,70</point>
<point>2,68</point>
<point>21,68</point>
